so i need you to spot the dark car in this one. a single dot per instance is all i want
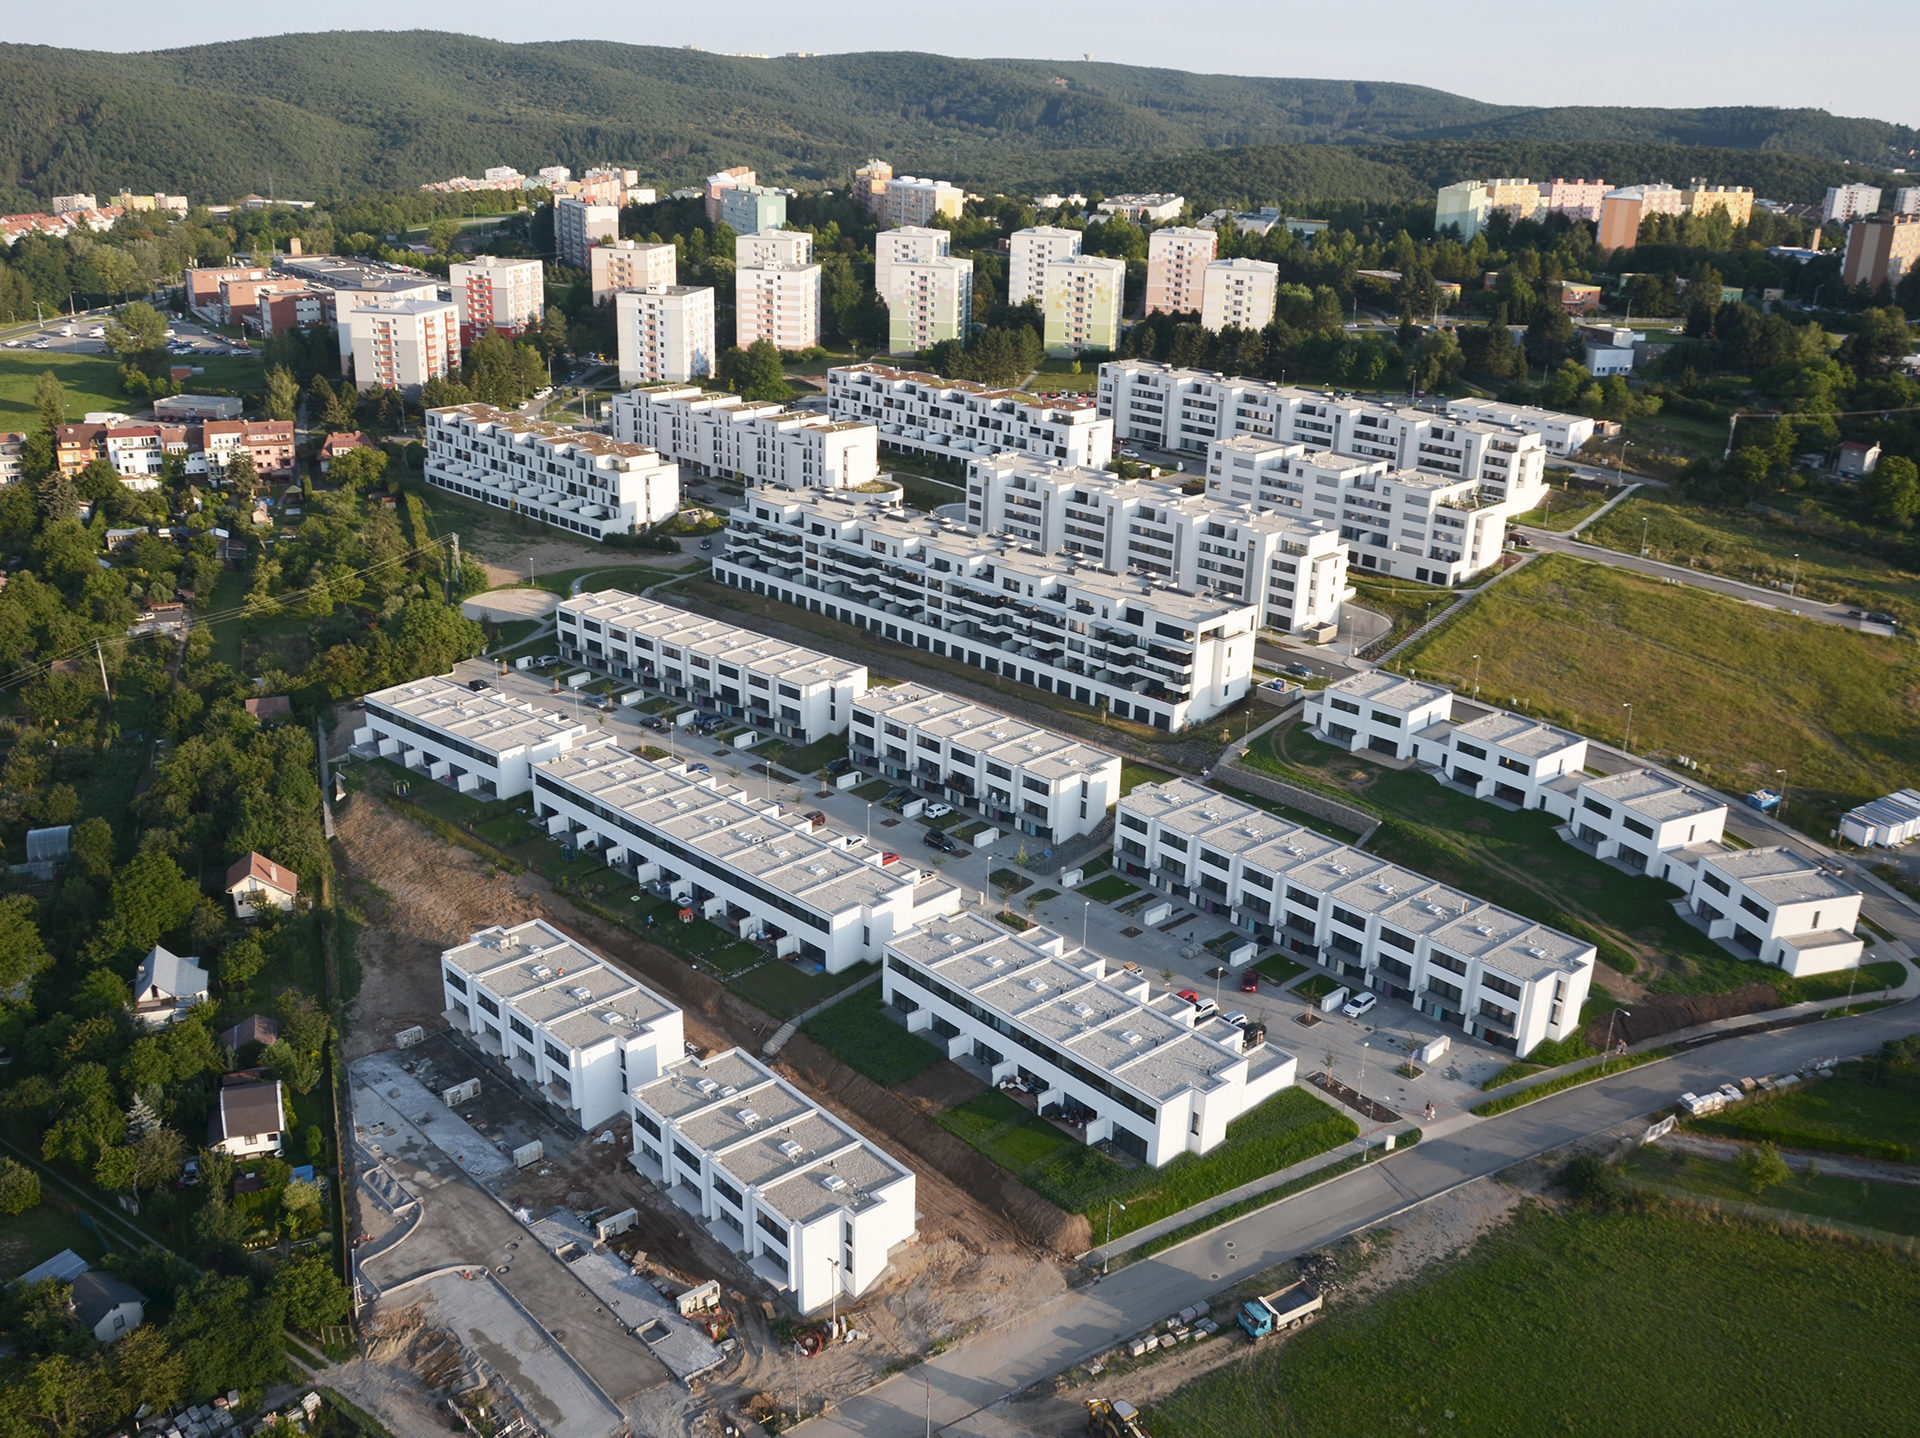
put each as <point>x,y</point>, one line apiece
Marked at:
<point>1303,671</point>
<point>478,684</point>
<point>840,766</point>
<point>698,769</point>
<point>706,544</point>
<point>1249,982</point>
<point>941,840</point>
<point>1874,616</point>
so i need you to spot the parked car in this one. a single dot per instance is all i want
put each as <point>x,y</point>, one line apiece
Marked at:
<point>476,685</point>
<point>840,766</point>
<point>547,659</point>
<point>941,840</point>
<point>1189,995</point>
<point>936,811</point>
<point>1300,670</point>
<point>706,544</point>
<point>1236,1018</point>
<point>1360,1005</point>
<point>699,769</point>
<point>1249,982</point>
<point>815,818</point>
<point>1874,616</point>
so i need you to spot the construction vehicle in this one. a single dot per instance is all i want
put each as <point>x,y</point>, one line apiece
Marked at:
<point>1116,1419</point>
<point>1281,1309</point>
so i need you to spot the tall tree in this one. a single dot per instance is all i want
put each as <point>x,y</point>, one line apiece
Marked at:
<point>282,393</point>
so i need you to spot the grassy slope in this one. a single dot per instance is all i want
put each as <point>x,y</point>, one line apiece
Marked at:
<point>1744,690</point>
<point>1844,1114</point>
<point>1890,1207</point>
<point>1576,1323</point>
<point>93,382</point>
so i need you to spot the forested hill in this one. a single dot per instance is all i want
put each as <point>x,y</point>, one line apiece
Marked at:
<point>317,115</point>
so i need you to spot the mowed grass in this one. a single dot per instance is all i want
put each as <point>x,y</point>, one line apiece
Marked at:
<point>1563,509</point>
<point>1577,1323</point>
<point>1108,889</point>
<point>856,1032</point>
<point>1744,690</point>
<point>1843,1114</point>
<point>92,382</point>
<point>1889,1207</point>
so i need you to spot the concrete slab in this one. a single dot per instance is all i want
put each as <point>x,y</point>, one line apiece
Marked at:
<point>502,605</point>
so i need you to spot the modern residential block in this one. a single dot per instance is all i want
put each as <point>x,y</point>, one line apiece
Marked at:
<point>1849,202</point>
<point>480,743</point>
<point>817,1209</point>
<point>665,333</point>
<point>911,200</point>
<point>1083,300</point>
<point>490,293</point>
<point>1623,210</point>
<point>1177,260</point>
<point>778,303</point>
<point>1501,756</point>
<point>1577,199</point>
<point>1012,773</point>
<point>958,419</point>
<point>760,443</point>
<point>1376,711</point>
<point>1469,204</point>
<point>579,225</point>
<point>799,694</point>
<point>718,184</point>
<point>1560,434</point>
<point>1029,252</point>
<point>577,480</point>
<point>1238,293</point>
<point>1509,981</point>
<point>568,1024</point>
<point>631,265</point>
<point>401,344</point>
<point>1772,905</point>
<point>1638,818</point>
<point>357,291</point>
<point>1155,209</point>
<point>1880,252</point>
<point>1144,1073</point>
<point>928,301</point>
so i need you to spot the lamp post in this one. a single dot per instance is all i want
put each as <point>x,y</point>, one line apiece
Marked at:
<point>833,1317</point>
<point>1793,585</point>
<point>1106,1259</point>
<point>1785,778</point>
<point>1476,676</point>
<point>1645,519</point>
<point>1620,462</point>
<point>1628,745</point>
<point>1607,1057</point>
<point>1086,908</point>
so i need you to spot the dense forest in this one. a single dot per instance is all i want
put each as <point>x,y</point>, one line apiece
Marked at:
<point>253,115</point>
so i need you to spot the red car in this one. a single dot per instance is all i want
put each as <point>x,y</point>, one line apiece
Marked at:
<point>1190,996</point>
<point>1249,982</point>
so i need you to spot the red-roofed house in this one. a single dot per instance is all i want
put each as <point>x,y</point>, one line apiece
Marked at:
<point>336,445</point>
<point>270,441</point>
<point>257,884</point>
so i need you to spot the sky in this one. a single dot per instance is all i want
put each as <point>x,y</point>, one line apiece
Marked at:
<point>1515,52</point>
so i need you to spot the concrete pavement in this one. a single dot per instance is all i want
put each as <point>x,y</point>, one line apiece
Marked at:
<point>972,1377</point>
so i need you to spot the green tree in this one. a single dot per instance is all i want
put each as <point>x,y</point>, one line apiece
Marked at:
<point>311,1292</point>
<point>242,478</point>
<point>1892,491</point>
<point>149,898</point>
<point>282,393</point>
<point>1764,1168</point>
<point>358,468</point>
<point>22,954</point>
<point>755,373</point>
<point>19,1188</point>
<point>56,497</point>
<point>136,332</point>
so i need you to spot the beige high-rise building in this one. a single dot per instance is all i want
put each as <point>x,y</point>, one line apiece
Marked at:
<point>631,265</point>
<point>1082,300</point>
<point>928,301</point>
<point>911,200</point>
<point>778,303</point>
<point>1029,252</point>
<point>1622,211</point>
<point>910,244</point>
<point>772,247</point>
<point>665,333</point>
<point>1177,260</point>
<point>401,344</point>
<point>1736,201</point>
<point>492,293</point>
<point>1239,294</point>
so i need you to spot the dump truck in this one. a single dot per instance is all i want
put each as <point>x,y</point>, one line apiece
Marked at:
<point>1277,1310</point>
<point>1116,1419</point>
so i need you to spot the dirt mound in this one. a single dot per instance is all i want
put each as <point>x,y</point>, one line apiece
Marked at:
<point>1656,1014</point>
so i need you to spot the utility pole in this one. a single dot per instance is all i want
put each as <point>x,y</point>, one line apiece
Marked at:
<point>103,669</point>
<point>453,574</point>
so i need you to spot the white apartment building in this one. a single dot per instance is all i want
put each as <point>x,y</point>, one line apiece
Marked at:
<point>1293,570</point>
<point>572,479</point>
<point>908,245</point>
<point>958,419</point>
<point>579,225</point>
<point>1462,961</point>
<point>1014,774</point>
<point>490,293</point>
<point>1190,409</point>
<point>1029,252</point>
<point>777,303</point>
<point>1501,756</point>
<point>772,247</point>
<point>1377,711</point>
<point>665,333</point>
<point>1145,651</point>
<point>911,200</point>
<point>1906,200</point>
<point>481,743</point>
<point>928,301</point>
<point>737,860</point>
<point>1144,1072</point>
<point>1400,522</point>
<point>569,1025</point>
<point>1560,434</point>
<point>349,299</point>
<point>799,694</point>
<point>401,344</point>
<point>1177,260</point>
<point>631,265</point>
<point>1238,293</point>
<point>756,441</point>
<point>1084,297</point>
<point>1156,209</point>
<point>1639,818</point>
<point>816,1209</point>
<point>1849,202</point>
<point>1779,908</point>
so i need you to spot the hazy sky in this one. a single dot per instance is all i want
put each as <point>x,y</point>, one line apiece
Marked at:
<point>1627,52</point>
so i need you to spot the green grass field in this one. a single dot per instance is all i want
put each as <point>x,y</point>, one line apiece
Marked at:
<point>1563,510</point>
<point>1276,969</point>
<point>1744,690</point>
<point>1407,604</point>
<point>1132,776</point>
<point>93,382</point>
<point>1576,1323</point>
<point>783,989</point>
<point>859,1035</point>
<point>1108,889</point>
<point>1843,1114</point>
<point>1889,1207</point>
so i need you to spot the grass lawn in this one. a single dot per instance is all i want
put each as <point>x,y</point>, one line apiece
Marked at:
<point>33,1237</point>
<point>1579,1323</point>
<point>1286,811</point>
<point>814,757</point>
<point>922,492</point>
<point>858,1034</point>
<point>784,989</point>
<point>1563,509</point>
<point>1843,1114</point>
<point>1744,690</point>
<point>1278,968</point>
<point>1108,889</point>
<point>93,382</point>
<point>873,789</point>
<point>1407,604</point>
<point>1317,987</point>
<point>1890,1207</point>
<point>1132,776</point>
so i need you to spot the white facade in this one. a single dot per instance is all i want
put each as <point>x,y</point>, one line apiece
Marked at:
<point>491,293</point>
<point>761,443</point>
<point>959,419</point>
<point>1155,208</point>
<point>1146,1073</point>
<point>665,333</point>
<point>566,1022</point>
<point>1638,818</point>
<point>1501,756</point>
<point>1906,200</point>
<point>247,1119</point>
<point>631,265</point>
<point>1238,293</point>
<point>1029,252</point>
<point>358,292</point>
<point>1560,434</point>
<point>911,200</point>
<point>736,859</point>
<point>1887,823</point>
<point>908,245</point>
<point>1010,772</point>
<point>579,225</point>
<point>799,694</point>
<point>772,247</point>
<point>1849,202</point>
<point>777,303</point>
<point>1146,652</point>
<point>401,344</point>
<point>480,743</point>
<point>1177,260</point>
<point>1460,960</point>
<point>1084,298</point>
<point>1777,907</point>
<point>1376,711</point>
<point>928,301</point>
<point>816,1209</point>
<point>572,479</point>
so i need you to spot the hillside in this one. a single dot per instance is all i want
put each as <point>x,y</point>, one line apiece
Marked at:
<point>316,115</point>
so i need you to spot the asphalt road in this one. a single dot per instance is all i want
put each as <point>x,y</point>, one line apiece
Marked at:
<point>978,1374</point>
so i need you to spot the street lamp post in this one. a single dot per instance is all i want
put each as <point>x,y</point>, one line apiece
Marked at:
<point>1106,1259</point>
<point>1793,585</point>
<point>1086,908</point>
<point>1645,520</point>
<point>1476,676</point>
<point>1628,745</point>
<point>1607,1057</point>
<point>1620,462</point>
<point>1785,779</point>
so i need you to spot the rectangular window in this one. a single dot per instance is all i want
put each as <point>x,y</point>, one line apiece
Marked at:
<point>1301,896</point>
<point>519,1026</point>
<point>686,1156</point>
<point>455,982</point>
<point>1399,941</point>
<point>1715,882</point>
<point>1254,879</point>
<point>1133,822</point>
<point>1472,751</point>
<point>646,1124</point>
<point>772,1230</point>
<point>1634,826</point>
<point>1501,986</point>
<point>1594,804</point>
<point>556,1053</point>
<point>1759,911</point>
<point>1349,918</point>
<point>487,1005</point>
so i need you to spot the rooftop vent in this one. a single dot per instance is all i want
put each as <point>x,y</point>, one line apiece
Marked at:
<point>581,992</point>
<point>790,1148</point>
<point>706,1085</point>
<point>541,971</point>
<point>1039,986</point>
<point>612,1016</point>
<point>832,1182</point>
<point>994,961</point>
<point>1129,1037</point>
<point>748,1117</point>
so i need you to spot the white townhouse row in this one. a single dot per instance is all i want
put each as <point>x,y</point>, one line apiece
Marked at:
<point>1185,409</point>
<point>958,419</point>
<point>740,861</point>
<point>571,479</point>
<point>1291,568</point>
<point>1143,651</point>
<point>1147,1074</point>
<point>1887,822</point>
<point>566,1022</point>
<point>1505,979</point>
<point>1401,522</point>
<point>481,743</point>
<point>1561,434</point>
<point>760,443</point>
<point>816,1209</point>
<point>1777,907</point>
<point>1014,774</point>
<point>1637,818</point>
<point>799,694</point>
